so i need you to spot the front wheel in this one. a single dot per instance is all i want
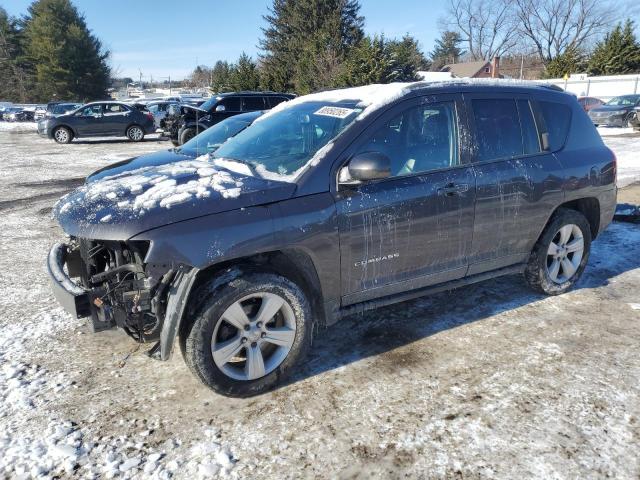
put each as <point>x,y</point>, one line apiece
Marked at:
<point>245,337</point>
<point>187,134</point>
<point>561,254</point>
<point>62,135</point>
<point>135,133</point>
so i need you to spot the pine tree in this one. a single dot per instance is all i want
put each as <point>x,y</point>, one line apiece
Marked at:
<point>446,51</point>
<point>368,63</point>
<point>69,61</point>
<point>221,77</point>
<point>244,74</point>
<point>15,77</point>
<point>407,58</point>
<point>617,54</point>
<point>571,61</point>
<point>303,38</point>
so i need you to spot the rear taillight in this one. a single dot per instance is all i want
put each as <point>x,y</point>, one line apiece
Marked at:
<point>150,115</point>
<point>614,163</point>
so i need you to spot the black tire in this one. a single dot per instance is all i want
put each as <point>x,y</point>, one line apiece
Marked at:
<point>175,142</point>
<point>205,310</point>
<point>537,272</point>
<point>187,134</point>
<point>135,133</point>
<point>62,135</point>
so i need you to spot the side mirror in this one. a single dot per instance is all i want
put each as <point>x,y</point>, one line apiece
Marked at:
<point>220,108</point>
<point>369,166</point>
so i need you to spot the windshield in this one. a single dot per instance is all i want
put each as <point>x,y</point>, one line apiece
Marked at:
<point>213,137</point>
<point>208,104</point>
<point>282,143</point>
<point>624,101</point>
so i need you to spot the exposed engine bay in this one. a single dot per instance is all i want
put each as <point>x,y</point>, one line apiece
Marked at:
<point>121,294</point>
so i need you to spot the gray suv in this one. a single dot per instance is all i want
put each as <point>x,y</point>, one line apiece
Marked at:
<point>333,204</point>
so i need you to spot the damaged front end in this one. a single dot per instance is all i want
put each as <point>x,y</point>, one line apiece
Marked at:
<point>109,282</point>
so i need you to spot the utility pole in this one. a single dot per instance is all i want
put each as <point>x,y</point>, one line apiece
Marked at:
<point>521,65</point>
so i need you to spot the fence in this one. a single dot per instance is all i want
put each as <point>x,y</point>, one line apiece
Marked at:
<point>605,87</point>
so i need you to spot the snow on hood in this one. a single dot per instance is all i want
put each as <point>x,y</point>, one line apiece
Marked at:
<point>152,196</point>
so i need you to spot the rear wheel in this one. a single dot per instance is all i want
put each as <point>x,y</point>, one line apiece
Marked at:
<point>135,133</point>
<point>561,254</point>
<point>62,135</point>
<point>245,337</point>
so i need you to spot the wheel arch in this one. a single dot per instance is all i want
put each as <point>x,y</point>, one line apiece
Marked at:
<point>293,264</point>
<point>587,206</point>
<point>67,126</point>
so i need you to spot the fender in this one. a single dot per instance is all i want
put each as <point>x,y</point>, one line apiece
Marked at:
<point>176,304</point>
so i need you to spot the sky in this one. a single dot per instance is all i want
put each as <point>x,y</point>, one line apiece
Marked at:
<point>165,38</point>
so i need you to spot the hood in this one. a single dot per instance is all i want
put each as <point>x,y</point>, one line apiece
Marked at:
<point>163,157</point>
<point>117,207</point>
<point>192,110</point>
<point>611,108</point>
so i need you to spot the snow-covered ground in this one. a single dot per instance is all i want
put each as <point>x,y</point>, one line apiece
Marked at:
<point>487,381</point>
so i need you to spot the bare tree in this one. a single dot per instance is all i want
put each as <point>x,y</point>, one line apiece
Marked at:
<point>554,26</point>
<point>488,27</point>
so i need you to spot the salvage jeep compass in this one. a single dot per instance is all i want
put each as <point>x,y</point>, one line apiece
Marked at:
<point>331,204</point>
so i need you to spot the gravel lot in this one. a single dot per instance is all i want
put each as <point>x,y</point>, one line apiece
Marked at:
<point>489,381</point>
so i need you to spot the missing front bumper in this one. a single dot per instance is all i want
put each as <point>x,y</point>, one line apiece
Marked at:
<point>73,298</point>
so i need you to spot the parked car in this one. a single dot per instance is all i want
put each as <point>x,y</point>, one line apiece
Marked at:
<point>207,142</point>
<point>330,205</point>
<point>617,112</point>
<point>159,110</point>
<point>191,120</point>
<point>40,112</point>
<point>12,114</point>
<point>98,119</point>
<point>634,121</point>
<point>55,109</point>
<point>589,103</point>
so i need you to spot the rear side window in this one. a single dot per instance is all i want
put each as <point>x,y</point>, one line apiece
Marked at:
<point>249,104</point>
<point>530,138</point>
<point>498,129</point>
<point>273,101</point>
<point>557,118</point>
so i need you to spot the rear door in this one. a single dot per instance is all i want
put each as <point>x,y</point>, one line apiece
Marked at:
<point>116,119</point>
<point>517,181</point>
<point>253,103</point>
<point>412,229</point>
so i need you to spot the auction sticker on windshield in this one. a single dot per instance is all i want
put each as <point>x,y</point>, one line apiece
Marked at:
<point>337,112</point>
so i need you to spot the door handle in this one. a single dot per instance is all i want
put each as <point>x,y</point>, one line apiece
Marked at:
<point>451,189</point>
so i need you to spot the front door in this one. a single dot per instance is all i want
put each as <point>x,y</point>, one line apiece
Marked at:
<point>88,121</point>
<point>414,228</point>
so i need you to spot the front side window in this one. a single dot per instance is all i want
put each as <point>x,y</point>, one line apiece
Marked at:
<point>91,111</point>
<point>498,129</point>
<point>230,104</point>
<point>420,139</point>
<point>281,144</point>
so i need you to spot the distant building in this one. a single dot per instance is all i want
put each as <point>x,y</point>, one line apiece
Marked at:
<point>480,69</point>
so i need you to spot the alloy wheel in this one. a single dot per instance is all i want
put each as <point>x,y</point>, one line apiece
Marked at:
<point>62,135</point>
<point>136,133</point>
<point>253,336</point>
<point>565,253</point>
